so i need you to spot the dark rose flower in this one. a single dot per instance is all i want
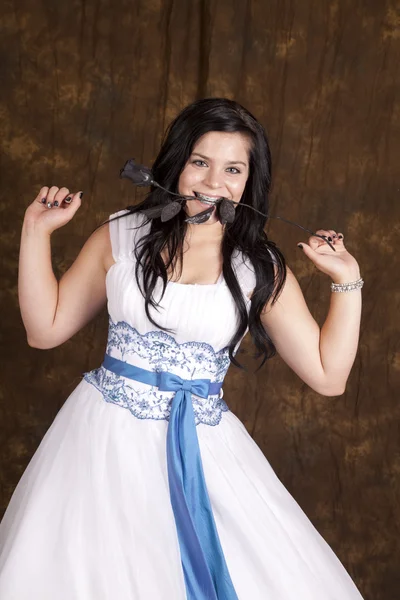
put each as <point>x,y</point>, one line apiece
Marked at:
<point>138,174</point>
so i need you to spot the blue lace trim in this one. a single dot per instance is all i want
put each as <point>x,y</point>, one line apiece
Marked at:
<point>159,351</point>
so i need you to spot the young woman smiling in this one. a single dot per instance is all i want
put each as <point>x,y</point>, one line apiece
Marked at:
<point>147,486</point>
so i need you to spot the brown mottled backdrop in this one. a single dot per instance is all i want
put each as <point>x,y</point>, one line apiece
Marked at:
<point>87,84</point>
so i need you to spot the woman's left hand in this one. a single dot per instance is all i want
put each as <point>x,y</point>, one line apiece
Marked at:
<point>341,266</point>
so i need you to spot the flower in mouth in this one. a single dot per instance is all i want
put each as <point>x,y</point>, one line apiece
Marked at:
<point>142,176</point>
<point>222,206</point>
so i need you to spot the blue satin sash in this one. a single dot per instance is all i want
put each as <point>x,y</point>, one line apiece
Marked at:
<point>205,571</point>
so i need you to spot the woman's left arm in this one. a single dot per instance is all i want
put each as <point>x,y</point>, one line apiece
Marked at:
<point>322,358</point>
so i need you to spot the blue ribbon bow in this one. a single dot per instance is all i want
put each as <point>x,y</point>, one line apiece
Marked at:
<point>169,382</point>
<point>204,567</point>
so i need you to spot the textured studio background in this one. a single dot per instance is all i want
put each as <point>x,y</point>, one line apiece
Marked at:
<point>86,85</point>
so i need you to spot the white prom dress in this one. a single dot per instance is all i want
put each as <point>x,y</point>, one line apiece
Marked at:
<point>92,516</point>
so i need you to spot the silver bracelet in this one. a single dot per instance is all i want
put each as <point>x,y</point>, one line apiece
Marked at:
<point>347,287</point>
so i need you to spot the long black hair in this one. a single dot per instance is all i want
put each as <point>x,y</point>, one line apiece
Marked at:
<point>245,234</point>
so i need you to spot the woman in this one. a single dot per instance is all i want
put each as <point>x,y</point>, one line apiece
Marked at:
<point>171,498</point>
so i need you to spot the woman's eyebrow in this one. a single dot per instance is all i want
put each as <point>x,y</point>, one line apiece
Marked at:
<point>230,162</point>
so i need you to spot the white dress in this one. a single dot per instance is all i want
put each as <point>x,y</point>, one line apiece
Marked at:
<point>91,518</point>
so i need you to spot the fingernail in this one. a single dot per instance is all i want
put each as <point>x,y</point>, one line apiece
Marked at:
<point>80,195</point>
<point>340,237</point>
<point>68,200</point>
<point>334,236</point>
<point>329,238</point>
<point>43,200</point>
<point>300,246</point>
<point>56,203</point>
<point>49,205</point>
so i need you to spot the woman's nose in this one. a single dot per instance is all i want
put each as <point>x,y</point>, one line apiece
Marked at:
<point>213,179</point>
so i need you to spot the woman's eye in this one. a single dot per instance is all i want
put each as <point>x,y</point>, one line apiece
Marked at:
<point>200,163</point>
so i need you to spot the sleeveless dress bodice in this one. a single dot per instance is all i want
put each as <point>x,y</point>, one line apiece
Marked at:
<point>201,318</point>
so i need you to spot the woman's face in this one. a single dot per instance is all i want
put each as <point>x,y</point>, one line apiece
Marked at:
<point>218,166</point>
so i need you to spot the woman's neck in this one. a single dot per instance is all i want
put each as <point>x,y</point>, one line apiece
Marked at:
<point>205,232</point>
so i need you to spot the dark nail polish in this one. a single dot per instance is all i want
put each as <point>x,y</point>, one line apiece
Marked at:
<point>300,246</point>
<point>56,203</point>
<point>80,195</point>
<point>340,237</point>
<point>43,200</point>
<point>329,238</point>
<point>68,200</point>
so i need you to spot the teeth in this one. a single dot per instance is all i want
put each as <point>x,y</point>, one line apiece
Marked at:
<point>206,199</point>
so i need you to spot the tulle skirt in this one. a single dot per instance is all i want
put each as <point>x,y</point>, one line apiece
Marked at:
<point>91,518</point>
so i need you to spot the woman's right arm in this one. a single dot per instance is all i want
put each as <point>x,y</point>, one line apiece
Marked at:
<point>54,311</point>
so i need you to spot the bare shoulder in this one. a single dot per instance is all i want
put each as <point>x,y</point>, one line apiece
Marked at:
<point>98,245</point>
<point>290,293</point>
<point>288,315</point>
<point>291,286</point>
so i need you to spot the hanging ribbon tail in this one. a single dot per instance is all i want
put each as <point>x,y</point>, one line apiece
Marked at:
<point>205,570</point>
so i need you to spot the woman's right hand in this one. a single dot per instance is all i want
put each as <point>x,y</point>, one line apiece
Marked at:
<point>52,208</point>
